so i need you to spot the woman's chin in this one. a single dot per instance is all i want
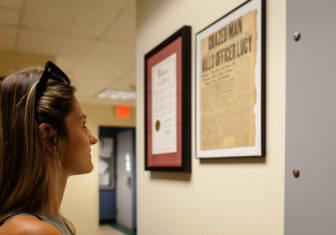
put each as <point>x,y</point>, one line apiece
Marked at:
<point>85,170</point>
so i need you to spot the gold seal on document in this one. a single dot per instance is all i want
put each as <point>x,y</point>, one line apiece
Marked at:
<point>157,125</point>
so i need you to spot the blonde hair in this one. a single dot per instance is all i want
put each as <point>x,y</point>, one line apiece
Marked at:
<point>28,172</point>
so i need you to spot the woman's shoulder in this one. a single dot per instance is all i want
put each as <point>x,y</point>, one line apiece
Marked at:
<point>28,225</point>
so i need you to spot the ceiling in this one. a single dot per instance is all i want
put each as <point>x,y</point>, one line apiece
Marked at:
<point>92,41</point>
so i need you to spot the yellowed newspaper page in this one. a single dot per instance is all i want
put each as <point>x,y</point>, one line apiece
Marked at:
<point>227,85</point>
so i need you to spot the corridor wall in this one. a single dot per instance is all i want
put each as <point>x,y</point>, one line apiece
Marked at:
<point>221,196</point>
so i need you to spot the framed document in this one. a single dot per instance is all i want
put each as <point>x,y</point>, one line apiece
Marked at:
<point>168,104</point>
<point>230,84</point>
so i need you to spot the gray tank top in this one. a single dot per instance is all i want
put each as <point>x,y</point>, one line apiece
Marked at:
<point>55,220</point>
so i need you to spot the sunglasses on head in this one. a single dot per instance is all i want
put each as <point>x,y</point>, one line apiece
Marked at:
<point>51,71</point>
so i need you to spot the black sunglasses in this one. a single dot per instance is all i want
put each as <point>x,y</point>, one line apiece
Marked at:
<point>51,71</point>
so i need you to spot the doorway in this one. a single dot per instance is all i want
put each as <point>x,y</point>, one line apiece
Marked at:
<point>117,177</point>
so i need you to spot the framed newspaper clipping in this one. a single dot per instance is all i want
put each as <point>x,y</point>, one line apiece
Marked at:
<point>168,104</point>
<point>230,84</point>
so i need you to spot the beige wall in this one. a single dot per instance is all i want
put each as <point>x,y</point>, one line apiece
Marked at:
<point>81,198</point>
<point>223,196</point>
<point>12,61</point>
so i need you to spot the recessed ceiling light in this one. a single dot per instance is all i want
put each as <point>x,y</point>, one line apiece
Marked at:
<point>117,94</point>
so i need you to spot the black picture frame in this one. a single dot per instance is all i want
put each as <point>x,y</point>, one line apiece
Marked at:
<point>239,11</point>
<point>181,39</point>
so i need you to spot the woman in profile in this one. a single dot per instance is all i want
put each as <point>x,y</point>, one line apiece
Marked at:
<point>43,141</point>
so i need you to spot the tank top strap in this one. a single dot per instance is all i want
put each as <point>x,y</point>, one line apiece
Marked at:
<point>17,214</point>
<point>56,221</point>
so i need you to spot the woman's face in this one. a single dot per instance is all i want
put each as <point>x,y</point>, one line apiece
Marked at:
<point>77,157</point>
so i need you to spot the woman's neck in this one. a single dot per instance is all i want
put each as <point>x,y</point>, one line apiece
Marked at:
<point>55,194</point>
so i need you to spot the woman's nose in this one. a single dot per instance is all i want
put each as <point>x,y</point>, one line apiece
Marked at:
<point>93,139</point>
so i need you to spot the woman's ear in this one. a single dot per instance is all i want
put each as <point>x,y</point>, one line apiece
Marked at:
<point>46,130</point>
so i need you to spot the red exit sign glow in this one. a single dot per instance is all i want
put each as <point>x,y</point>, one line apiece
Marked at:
<point>123,111</point>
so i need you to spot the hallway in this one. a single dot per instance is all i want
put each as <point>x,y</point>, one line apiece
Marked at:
<point>108,230</point>
<point>114,229</point>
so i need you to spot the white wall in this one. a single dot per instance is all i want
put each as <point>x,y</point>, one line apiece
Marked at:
<point>222,196</point>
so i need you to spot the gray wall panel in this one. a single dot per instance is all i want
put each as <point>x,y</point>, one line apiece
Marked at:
<point>310,206</point>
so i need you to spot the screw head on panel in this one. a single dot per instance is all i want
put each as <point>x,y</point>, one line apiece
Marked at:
<point>296,172</point>
<point>297,36</point>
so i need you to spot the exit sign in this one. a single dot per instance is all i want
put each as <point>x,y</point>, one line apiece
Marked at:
<point>123,111</point>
